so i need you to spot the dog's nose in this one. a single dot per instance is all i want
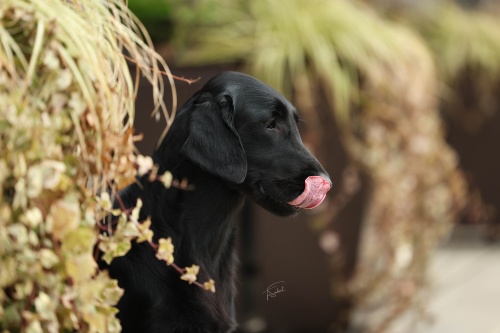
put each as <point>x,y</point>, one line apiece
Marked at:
<point>326,177</point>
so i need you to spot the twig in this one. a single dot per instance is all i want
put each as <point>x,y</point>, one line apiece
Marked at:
<point>154,246</point>
<point>180,78</point>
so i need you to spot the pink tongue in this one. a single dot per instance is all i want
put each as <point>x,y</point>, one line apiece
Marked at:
<point>314,193</point>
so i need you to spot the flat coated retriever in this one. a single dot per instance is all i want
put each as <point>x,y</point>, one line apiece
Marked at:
<point>235,137</point>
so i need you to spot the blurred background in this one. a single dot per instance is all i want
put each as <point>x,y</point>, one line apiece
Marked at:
<point>400,101</point>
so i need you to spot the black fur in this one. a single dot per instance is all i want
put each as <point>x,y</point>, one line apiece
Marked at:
<point>235,137</point>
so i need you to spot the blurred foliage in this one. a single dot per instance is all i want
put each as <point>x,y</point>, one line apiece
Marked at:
<point>381,82</point>
<point>291,46</point>
<point>155,15</point>
<point>150,10</point>
<point>466,47</point>
<point>66,112</point>
<point>461,39</point>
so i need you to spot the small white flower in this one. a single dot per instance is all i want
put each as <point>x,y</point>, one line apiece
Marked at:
<point>48,258</point>
<point>144,164</point>
<point>33,217</point>
<point>209,285</point>
<point>166,179</point>
<point>165,250</point>
<point>64,79</point>
<point>191,273</point>
<point>50,60</point>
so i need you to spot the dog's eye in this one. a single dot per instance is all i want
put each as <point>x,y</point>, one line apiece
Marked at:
<point>271,124</point>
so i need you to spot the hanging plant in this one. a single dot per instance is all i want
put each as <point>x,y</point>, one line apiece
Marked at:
<point>66,140</point>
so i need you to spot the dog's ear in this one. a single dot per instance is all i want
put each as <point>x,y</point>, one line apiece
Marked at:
<point>213,143</point>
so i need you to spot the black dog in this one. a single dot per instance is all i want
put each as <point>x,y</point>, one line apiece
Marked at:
<point>235,137</point>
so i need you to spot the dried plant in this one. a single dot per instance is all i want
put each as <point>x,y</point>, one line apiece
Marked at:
<point>66,143</point>
<point>416,188</point>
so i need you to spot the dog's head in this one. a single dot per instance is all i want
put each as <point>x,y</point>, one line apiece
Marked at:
<point>245,132</point>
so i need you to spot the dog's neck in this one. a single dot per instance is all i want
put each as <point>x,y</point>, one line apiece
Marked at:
<point>199,221</point>
<point>204,225</point>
